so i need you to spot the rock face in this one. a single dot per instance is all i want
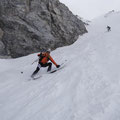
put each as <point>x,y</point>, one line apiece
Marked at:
<point>28,26</point>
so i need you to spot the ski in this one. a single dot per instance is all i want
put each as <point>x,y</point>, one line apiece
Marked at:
<point>34,78</point>
<point>61,66</point>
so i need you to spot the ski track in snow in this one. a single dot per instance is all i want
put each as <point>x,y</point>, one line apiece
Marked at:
<point>86,89</point>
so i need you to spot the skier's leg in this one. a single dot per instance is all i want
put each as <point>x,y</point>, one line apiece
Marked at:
<point>36,71</point>
<point>49,66</point>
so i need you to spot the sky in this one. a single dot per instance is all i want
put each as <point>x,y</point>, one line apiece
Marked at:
<point>90,9</point>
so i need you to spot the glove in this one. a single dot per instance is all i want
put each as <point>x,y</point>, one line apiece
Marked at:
<point>57,66</point>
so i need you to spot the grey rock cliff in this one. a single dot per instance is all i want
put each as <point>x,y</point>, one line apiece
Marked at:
<point>28,26</point>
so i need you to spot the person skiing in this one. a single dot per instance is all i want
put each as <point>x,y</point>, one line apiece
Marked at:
<point>43,59</point>
<point>108,28</point>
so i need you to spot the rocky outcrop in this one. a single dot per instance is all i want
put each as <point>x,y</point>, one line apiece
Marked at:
<point>28,26</point>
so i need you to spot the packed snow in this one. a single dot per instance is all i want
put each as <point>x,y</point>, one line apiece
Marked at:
<point>87,88</point>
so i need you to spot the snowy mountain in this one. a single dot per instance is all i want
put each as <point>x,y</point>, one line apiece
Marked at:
<point>88,88</point>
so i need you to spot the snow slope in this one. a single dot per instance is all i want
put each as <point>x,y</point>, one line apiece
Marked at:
<point>88,88</point>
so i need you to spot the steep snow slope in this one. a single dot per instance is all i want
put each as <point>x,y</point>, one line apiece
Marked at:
<point>88,88</point>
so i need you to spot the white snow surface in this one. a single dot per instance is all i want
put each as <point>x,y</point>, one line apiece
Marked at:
<point>88,88</point>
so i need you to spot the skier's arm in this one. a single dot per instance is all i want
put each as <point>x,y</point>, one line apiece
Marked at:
<point>51,59</point>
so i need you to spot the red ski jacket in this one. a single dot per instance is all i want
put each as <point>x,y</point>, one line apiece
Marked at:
<point>45,57</point>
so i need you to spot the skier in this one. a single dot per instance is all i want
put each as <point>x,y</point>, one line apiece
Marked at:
<point>108,28</point>
<point>44,57</point>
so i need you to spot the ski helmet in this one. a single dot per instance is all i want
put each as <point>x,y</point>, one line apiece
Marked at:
<point>48,50</point>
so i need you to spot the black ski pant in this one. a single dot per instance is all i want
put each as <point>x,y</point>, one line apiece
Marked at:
<point>42,65</point>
